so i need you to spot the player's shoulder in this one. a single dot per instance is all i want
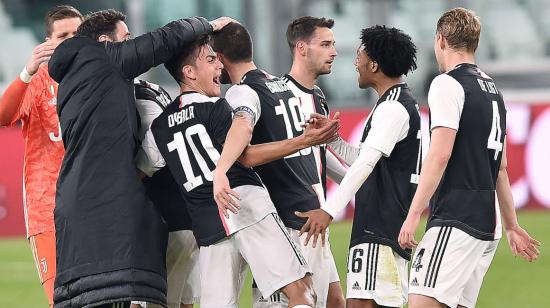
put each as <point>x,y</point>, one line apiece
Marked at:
<point>149,91</point>
<point>446,82</point>
<point>391,108</point>
<point>241,92</point>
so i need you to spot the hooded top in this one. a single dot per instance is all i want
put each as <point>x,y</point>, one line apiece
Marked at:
<point>111,241</point>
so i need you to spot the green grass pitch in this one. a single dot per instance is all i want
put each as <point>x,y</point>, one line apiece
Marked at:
<point>511,282</point>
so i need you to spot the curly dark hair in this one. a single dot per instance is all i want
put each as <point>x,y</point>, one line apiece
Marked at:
<point>100,23</point>
<point>391,48</point>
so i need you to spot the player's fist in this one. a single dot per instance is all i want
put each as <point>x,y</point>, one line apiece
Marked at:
<point>40,54</point>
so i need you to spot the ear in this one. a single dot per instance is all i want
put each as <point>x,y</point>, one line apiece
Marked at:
<point>104,38</point>
<point>188,71</point>
<point>441,41</point>
<point>301,48</point>
<point>374,66</point>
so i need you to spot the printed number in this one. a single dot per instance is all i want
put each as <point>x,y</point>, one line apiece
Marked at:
<point>181,145</point>
<point>298,119</point>
<point>357,260</point>
<point>415,177</point>
<point>494,142</point>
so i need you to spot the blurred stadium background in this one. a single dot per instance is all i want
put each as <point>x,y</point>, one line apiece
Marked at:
<point>514,50</point>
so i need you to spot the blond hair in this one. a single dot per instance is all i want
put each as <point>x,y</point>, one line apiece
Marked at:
<point>461,28</point>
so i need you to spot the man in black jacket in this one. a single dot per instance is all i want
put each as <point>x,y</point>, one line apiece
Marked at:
<point>111,241</point>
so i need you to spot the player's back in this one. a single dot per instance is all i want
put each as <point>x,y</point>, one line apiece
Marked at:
<point>190,135</point>
<point>466,196</point>
<point>293,181</point>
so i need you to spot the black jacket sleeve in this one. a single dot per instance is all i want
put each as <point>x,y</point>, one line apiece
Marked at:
<point>136,56</point>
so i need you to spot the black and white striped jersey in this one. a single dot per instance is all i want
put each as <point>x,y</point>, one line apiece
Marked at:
<point>151,101</point>
<point>467,100</point>
<point>312,101</point>
<point>188,137</point>
<point>293,182</point>
<point>383,201</point>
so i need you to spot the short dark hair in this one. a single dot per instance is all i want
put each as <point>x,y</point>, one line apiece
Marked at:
<point>186,56</point>
<point>58,13</point>
<point>391,48</point>
<point>100,23</point>
<point>233,42</point>
<point>304,27</point>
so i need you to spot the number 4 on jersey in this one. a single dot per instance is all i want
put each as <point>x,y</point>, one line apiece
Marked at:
<point>494,142</point>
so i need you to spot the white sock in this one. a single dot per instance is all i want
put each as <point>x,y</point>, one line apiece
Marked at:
<point>302,306</point>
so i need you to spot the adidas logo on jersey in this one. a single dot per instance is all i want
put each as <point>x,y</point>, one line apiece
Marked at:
<point>356,286</point>
<point>414,283</point>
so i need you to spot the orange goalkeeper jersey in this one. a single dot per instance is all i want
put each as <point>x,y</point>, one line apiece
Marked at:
<point>43,150</point>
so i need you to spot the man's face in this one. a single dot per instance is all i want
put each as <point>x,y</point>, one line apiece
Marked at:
<point>321,51</point>
<point>121,32</point>
<point>363,65</point>
<point>207,71</point>
<point>63,29</point>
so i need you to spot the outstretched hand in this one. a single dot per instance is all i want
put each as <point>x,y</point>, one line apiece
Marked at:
<point>320,129</point>
<point>522,244</point>
<point>317,223</point>
<point>225,197</point>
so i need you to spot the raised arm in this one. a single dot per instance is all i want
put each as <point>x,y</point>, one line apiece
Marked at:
<point>136,56</point>
<point>11,101</point>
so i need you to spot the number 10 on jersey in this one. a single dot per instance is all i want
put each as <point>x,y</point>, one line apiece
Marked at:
<point>298,119</point>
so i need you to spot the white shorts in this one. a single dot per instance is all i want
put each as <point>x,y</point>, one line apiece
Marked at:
<point>449,265</point>
<point>266,246</point>
<point>321,262</point>
<point>377,272</point>
<point>182,268</point>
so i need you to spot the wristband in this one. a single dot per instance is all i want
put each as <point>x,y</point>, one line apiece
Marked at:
<point>25,76</point>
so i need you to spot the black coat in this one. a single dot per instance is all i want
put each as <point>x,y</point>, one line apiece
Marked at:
<point>111,241</point>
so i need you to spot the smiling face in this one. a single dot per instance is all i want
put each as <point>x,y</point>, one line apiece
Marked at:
<point>204,74</point>
<point>63,29</point>
<point>320,51</point>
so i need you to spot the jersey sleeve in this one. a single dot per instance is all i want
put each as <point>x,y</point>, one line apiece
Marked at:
<point>355,177</point>
<point>389,125</point>
<point>149,159</point>
<point>243,99</point>
<point>148,111</point>
<point>446,100</point>
<point>220,120</point>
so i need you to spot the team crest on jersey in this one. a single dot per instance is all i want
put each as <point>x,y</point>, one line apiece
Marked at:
<point>417,264</point>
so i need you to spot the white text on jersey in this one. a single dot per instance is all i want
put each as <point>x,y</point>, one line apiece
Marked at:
<point>181,116</point>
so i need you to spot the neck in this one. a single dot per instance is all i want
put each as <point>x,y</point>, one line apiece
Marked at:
<point>453,58</point>
<point>186,87</point>
<point>236,71</point>
<point>382,85</point>
<point>302,75</point>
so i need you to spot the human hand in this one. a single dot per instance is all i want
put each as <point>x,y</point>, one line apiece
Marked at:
<point>317,223</point>
<point>225,197</point>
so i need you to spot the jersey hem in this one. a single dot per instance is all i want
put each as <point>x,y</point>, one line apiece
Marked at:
<point>380,240</point>
<point>463,227</point>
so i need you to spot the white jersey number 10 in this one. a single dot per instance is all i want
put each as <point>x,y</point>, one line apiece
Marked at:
<point>180,145</point>
<point>294,120</point>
